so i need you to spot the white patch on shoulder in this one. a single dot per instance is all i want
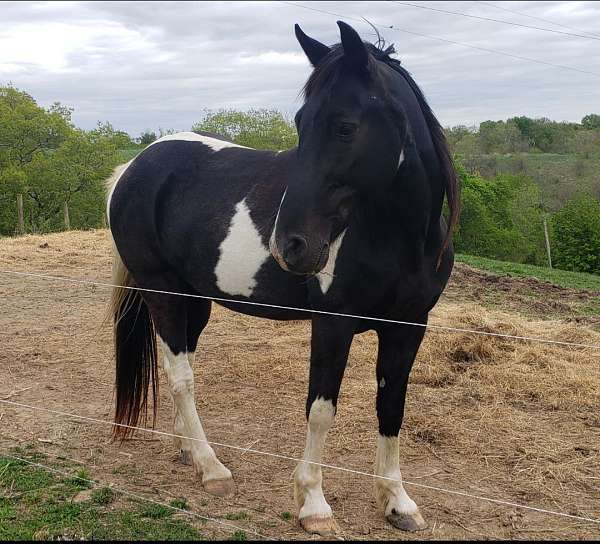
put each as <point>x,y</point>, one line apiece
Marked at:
<point>401,158</point>
<point>242,254</point>
<point>326,275</point>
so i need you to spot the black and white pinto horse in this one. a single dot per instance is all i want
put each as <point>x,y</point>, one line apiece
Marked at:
<point>350,221</point>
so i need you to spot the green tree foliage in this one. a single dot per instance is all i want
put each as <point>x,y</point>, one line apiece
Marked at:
<point>521,134</point>
<point>260,129</point>
<point>501,137</point>
<point>118,138</point>
<point>500,218</point>
<point>50,162</point>
<point>26,129</point>
<point>591,121</point>
<point>146,138</point>
<point>576,235</point>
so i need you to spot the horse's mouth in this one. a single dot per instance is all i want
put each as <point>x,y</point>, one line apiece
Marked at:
<point>317,266</point>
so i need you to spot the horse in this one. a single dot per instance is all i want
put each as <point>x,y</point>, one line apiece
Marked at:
<point>350,222</point>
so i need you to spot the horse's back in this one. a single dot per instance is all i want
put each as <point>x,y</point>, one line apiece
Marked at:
<point>203,207</point>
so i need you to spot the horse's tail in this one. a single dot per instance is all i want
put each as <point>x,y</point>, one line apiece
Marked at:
<point>135,351</point>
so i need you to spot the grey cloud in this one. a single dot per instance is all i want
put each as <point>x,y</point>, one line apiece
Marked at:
<point>162,64</point>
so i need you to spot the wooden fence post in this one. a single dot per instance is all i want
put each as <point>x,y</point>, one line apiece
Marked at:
<point>547,243</point>
<point>66,212</point>
<point>21,226</point>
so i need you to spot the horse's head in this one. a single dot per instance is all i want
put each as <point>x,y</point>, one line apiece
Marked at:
<point>351,135</point>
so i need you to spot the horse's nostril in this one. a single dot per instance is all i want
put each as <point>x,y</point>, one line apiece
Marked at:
<point>294,250</point>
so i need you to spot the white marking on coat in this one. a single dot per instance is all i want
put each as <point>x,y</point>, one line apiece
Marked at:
<point>308,478</point>
<point>181,384</point>
<point>390,494</point>
<point>401,158</point>
<point>214,143</point>
<point>242,253</point>
<point>327,275</point>
<point>382,383</point>
<point>111,183</point>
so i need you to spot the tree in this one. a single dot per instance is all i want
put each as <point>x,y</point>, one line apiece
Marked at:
<point>146,138</point>
<point>119,138</point>
<point>500,218</point>
<point>73,174</point>
<point>591,121</point>
<point>50,162</point>
<point>260,129</point>
<point>576,235</point>
<point>27,129</point>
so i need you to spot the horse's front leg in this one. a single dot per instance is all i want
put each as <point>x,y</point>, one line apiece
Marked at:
<point>398,346</point>
<point>330,343</point>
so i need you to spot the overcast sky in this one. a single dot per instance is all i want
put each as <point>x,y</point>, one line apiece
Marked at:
<point>144,65</point>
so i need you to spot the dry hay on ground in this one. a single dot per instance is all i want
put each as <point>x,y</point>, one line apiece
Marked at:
<point>490,416</point>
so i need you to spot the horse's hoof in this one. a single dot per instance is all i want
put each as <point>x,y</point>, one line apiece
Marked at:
<point>185,457</point>
<point>220,488</point>
<point>319,525</point>
<point>407,522</point>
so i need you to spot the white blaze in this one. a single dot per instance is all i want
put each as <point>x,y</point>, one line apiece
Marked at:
<point>242,253</point>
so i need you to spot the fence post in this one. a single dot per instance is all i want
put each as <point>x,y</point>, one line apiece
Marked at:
<point>66,212</point>
<point>547,243</point>
<point>21,226</point>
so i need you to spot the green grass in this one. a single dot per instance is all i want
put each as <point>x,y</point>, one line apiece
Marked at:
<point>237,516</point>
<point>563,278</point>
<point>36,504</point>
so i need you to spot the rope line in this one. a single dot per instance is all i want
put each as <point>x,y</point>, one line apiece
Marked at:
<point>538,18</point>
<point>140,497</point>
<point>305,310</point>
<point>432,37</point>
<point>409,4</point>
<point>324,465</point>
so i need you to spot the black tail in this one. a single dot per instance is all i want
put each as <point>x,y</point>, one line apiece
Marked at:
<point>135,350</point>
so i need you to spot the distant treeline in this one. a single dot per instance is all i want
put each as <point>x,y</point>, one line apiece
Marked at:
<point>523,134</point>
<point>53,166</point>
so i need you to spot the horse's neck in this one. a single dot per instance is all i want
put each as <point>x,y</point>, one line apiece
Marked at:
<point>414,201</point>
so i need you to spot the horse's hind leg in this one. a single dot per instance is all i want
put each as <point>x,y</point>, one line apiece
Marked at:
<point>198,314</point>
<point>170,315</point>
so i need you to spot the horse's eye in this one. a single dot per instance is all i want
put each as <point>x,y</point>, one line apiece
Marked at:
<point>345,130</point>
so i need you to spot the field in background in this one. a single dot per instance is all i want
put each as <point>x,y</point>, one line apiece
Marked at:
<point>506,419</point>
<point>563,278</point>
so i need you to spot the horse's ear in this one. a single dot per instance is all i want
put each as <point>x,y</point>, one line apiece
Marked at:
<point>354,47</point>
<point>315,51</point>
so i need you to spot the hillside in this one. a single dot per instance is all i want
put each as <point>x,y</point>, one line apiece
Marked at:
<point>560,176</point>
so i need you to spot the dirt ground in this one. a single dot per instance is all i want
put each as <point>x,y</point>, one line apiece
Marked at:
<point>505,419</point>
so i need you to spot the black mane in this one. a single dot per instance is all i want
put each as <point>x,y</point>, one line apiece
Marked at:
<point>326,73</point>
